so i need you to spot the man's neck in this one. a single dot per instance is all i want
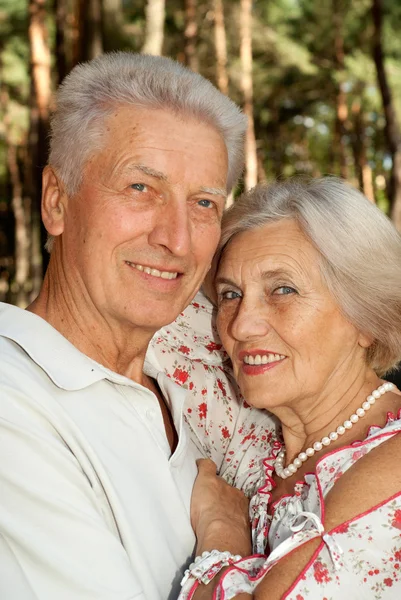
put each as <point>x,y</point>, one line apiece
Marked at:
<point>121,349</point>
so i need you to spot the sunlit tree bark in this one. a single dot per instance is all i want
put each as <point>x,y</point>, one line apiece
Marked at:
<point>21,285</point>
<point>341,97</point>
<point>60,8</point>
<point>191,34</point>
<point>251,163</point>
<point>40,64</point>
<point>363,169</point>
<point>88,39</point>
<point>155,18</point>
<point>392,129</point>
<point>220,44</point>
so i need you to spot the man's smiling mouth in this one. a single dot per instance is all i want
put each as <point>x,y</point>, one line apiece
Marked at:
<point>154,272</point>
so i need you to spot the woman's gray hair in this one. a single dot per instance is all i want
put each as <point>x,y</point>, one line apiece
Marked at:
<point>360,251</point>
<point>93,90</point>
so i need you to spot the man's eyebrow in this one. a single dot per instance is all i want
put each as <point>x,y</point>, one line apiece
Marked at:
<point>214,191</point>
<point>149,171</point>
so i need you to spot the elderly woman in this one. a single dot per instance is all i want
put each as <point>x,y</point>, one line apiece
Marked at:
<point>308,289</point>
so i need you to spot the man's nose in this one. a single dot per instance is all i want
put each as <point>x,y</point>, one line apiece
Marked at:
<point>251,321</point>
<point>172,228</point>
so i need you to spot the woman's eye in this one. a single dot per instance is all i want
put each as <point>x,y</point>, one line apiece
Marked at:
<point>284,290</point>
<point>205,203</point>
<point>229,295</point>
<point>140,187</point>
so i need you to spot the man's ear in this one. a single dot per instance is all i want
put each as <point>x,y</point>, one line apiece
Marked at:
<point>54,202</point>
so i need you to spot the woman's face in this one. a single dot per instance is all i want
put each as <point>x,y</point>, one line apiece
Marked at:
<point>285,335</point>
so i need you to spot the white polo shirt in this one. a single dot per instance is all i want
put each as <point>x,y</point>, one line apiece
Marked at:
<point>92,504</point>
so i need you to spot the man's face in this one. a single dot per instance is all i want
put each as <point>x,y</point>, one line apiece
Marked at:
<point>140,234</point>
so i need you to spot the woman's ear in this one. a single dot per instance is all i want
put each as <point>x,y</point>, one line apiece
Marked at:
<point>54,202</point>
<point>365,340</point>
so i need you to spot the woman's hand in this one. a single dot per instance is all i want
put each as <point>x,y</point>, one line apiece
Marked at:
<point>219,513</point>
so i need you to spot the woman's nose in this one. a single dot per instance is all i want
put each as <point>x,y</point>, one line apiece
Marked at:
<point>250,321</point>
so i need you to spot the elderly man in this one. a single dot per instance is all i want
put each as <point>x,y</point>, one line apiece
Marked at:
<point>96,471</point>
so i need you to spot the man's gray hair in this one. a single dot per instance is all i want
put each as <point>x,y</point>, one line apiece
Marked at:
<point>93,90</point>
<point>360,251</point>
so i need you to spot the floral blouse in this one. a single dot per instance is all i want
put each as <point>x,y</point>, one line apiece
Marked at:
<point>359,559</point>
<point>222,425</point>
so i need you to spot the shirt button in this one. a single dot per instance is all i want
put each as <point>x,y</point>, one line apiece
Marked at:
<point>150,414</point>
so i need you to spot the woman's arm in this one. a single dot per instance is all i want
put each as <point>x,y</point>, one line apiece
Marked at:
<point>371,481</point>
<point>219,524</point>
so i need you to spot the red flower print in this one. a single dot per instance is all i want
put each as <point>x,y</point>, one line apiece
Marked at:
<point>396,522</point>
<point>195,304</point>
<point>180,375</point>
<point>388,582</point>
<point>184,349</point>
<point>222,387</point>
<point>202,409</point>
<point>321,573</point>
<point>189,410</point>
<point>299,597</point>
<point>397,555</point>
<point>191,385</point>
<point>225,433</point>
<point>342,528</point>
<point>204,392</point>
<point>213,346</point>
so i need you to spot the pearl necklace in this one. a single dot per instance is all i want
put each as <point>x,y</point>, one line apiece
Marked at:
<point>293,467</point>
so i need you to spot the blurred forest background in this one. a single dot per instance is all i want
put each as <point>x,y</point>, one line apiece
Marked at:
<point>320,81</point>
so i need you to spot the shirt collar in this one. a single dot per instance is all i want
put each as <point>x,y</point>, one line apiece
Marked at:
<point>67,367</point>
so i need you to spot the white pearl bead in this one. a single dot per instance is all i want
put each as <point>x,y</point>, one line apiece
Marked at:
<point>331,437</point>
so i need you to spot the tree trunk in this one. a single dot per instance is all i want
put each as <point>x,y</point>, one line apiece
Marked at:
<point>113,25</point>
<point>251,162</point>
<point>39,127</point>
<point>89,42</point>
<point>191,34</point>
<point>21,284</point>
<point>155,17</point>
<point>341,97</point>
<point>363,169</point>
<point>220,43</point>
<point>392,129</point>
<point>60,9</point>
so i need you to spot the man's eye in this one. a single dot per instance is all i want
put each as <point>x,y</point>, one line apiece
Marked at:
<point>140,187</point>
<point>284,290</point>
<point>205,203</point>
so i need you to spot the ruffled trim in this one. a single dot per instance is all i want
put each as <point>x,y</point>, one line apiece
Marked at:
<point>260,503</point>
